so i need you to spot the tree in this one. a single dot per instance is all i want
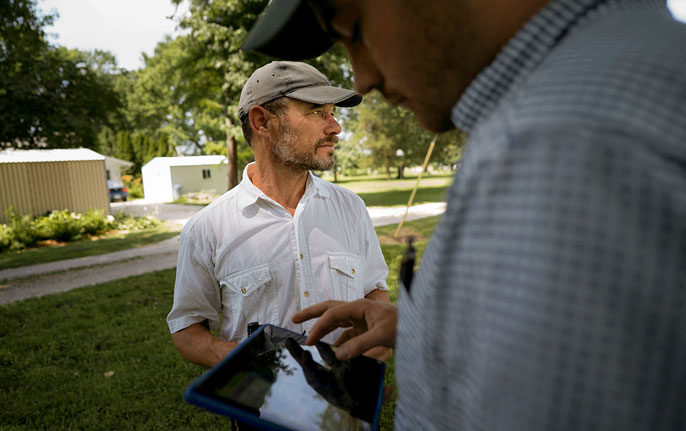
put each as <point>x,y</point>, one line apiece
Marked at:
<point>175,94</point>
<point>49,96</point>
<point>393,138</point>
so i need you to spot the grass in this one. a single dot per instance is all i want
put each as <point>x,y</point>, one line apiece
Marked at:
<point>87,247</point>
<point>381,192</point>
<point>100,357</point>
<point>367,185</point>
<point>399,197</point>
<point>55,352</point>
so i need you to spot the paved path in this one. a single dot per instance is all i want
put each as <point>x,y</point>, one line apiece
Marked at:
<point>61,276</point>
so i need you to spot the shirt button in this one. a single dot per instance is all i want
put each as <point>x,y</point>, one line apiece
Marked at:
<point>307,294</point>
<point>301,255</point>
<point>243,290</point>
<point>353,270</point>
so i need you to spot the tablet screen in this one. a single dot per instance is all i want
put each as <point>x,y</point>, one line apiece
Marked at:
<point>274,378</point>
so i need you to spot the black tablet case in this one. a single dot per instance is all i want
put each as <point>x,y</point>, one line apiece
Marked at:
<point>271,381</point>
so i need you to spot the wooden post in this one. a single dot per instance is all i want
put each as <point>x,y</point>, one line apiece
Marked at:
<point>232,160</point>
<point>416,186</point>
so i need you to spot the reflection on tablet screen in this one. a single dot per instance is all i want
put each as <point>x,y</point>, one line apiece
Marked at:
<point>301,387</point>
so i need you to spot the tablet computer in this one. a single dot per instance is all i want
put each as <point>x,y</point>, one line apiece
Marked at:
<point>273,381</point>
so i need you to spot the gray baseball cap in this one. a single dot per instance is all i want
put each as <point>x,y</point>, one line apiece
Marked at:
<point>296,80</point>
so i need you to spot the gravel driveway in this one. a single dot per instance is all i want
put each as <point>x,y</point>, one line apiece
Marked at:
<point>170,212</point>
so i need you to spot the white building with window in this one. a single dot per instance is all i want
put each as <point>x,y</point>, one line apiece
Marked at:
<point>167,178</point>
<point>114,167</point>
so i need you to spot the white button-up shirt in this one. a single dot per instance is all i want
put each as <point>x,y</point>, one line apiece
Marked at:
<point>245,259</point>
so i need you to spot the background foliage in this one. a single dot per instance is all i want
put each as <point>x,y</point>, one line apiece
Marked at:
<point>49,96</point>
<point>183,101</point>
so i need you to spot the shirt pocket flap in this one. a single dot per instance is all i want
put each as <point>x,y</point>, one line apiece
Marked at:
<point>246,281</point>
<point>345,263</point>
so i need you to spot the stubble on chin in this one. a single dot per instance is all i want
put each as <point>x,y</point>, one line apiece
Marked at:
<point>322,164</point>
<point>286,151</point>
<point>325,164</point>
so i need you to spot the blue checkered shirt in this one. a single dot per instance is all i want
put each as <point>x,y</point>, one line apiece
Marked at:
<point>552,295</point>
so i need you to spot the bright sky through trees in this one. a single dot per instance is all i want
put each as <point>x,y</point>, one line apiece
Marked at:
<point>129,27</point>
<point>125,27</point>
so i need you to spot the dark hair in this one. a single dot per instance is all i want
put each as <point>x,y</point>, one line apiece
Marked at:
<point>276,107</point>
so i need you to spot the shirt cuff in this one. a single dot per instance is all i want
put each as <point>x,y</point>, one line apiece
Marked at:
<point>176,325</point>
<point>379,284</point>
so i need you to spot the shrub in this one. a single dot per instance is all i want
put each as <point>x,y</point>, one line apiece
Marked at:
<point>6,236</point>
<point>66,225</point>
<point>22,229</point>
<point>127,222</point>
<point>94,222</point>
<point>134,185</point>
<point>42,228</point>
<point>25,231</point>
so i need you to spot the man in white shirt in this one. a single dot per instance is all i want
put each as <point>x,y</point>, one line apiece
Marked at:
<point>283,239</point>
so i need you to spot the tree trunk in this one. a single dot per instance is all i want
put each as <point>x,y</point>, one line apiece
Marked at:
<point>232,171</point>
<point>401,170</point>
<point>231,157</point>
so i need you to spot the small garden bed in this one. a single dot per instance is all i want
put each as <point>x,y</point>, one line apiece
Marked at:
<point>25,231</point>
<point>25,240</point>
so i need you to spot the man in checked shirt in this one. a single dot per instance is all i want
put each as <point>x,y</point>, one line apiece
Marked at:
<point>552,295</point>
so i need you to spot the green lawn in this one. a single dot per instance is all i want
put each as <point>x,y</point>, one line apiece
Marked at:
<point>87,247</point>
<point>367,185</point>
<point>100,357</point>
<point>400,197</point>
<point>381,192</point>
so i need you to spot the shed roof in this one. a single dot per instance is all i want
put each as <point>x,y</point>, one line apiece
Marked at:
<point>61,155</point>
<point>118,161</point>
<point>187,161</point>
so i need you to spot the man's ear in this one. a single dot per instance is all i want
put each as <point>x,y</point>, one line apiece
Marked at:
<point>260,120</point>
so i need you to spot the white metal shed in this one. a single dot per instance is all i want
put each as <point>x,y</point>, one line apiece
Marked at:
<point>166,178</point>
<point>114,166</point>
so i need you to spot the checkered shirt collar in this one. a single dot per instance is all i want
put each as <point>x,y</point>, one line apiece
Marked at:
<point>523,53</point>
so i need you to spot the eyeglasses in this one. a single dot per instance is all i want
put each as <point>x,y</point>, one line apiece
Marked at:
<point>323,113</point>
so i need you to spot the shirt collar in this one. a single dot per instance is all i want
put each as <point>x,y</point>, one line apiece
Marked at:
<point>522,54</point>
<point>316,185</point>
<point>251,193</point>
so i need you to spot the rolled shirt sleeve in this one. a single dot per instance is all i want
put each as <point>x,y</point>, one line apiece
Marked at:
<point>196,291</point>
<point>376,269</point>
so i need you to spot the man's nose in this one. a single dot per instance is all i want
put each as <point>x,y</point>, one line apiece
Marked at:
<point>332,126</point>
<point>366,75</point>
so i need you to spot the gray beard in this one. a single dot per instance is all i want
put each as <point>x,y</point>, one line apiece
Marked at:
<point>286,151</point>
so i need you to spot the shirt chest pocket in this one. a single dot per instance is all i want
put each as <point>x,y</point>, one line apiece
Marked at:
<point>346,276</point>
<point>249,296</point>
